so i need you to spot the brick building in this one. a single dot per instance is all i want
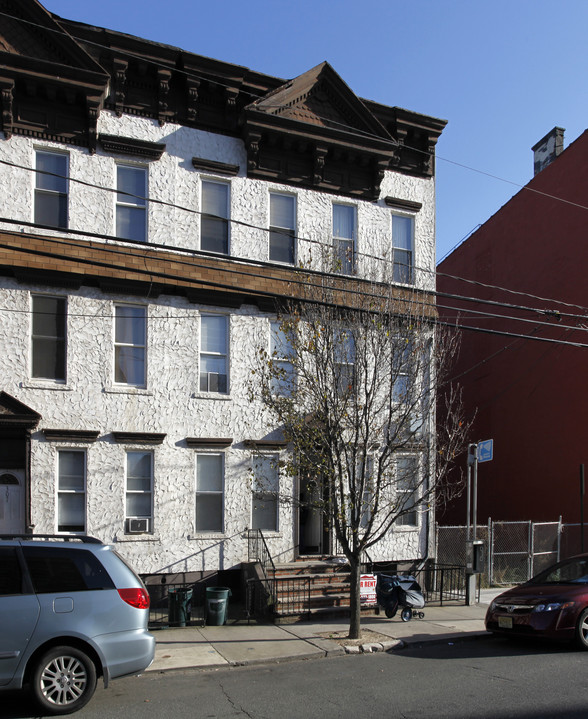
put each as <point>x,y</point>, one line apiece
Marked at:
<point>522,370</point>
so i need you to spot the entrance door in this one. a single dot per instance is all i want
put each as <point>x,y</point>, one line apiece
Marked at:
<point>11,502</point>
<point>314,535</point>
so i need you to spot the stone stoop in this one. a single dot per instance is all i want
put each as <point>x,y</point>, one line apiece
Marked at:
<point>329,590</point>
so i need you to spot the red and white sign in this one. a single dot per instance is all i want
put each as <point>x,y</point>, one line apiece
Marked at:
<point>367,589</point>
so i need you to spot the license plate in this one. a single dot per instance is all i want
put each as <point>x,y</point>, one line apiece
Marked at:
<point>505,622</point>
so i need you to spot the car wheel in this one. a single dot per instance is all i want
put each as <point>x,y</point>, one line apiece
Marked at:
<point>582,630</point>
<point>64,680</point>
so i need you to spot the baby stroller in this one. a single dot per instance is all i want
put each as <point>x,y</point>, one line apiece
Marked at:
<point>394,591</point>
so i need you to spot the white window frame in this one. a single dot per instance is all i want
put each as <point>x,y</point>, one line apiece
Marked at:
<point>142,492</point>
<point>343,264</point>
<point>285,232</point>
<point>226,219</point>
<point>212,354</point>
<point>68,492</point>
<point>119,345</point>
<point>210,493</point>
<point>39,190</point>
<point>406,520</point>
<point>261,492</point>
<point>344,360</point>
<point>279,342</point>
<point>403,273</point>
<point>56,340</point>
<point>132,202</point>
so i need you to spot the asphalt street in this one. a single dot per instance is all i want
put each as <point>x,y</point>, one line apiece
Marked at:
<point>478,679</point>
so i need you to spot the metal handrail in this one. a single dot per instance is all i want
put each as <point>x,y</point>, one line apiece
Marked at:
<point>258,551</point>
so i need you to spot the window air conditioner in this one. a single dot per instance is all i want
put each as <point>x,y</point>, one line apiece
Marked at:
<point>137,526</point>
<point>217,382</point>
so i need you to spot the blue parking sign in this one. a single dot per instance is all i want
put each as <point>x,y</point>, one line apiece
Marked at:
<point>485,450</point>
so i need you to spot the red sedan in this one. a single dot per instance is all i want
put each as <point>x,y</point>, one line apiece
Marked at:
<point>554,604</point>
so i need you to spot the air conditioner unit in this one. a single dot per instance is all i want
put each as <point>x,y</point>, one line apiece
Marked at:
<point>217,382</point>
<point>137,526</point>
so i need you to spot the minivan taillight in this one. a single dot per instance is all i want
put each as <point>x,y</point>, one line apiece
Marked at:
<point>136,597</point>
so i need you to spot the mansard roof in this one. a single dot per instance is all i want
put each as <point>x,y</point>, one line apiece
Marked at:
<point>57,75</point>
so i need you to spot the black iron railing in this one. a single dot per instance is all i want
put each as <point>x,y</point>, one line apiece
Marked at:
<point>443,583</point>
<point>278,597</point>
<point>258,552</point>
<point>186,605</point>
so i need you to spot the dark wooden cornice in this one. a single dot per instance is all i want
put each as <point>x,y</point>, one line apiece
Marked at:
<point>222,168</point>
<point>209,442</point>
<point>71,435</point>
<point>400,204</point>
<point>260,444</point>
<point>311,131</point>
<point>139,437</point>
<point>130,146</point>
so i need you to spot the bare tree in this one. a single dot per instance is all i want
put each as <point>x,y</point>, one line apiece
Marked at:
<point>352,381</point>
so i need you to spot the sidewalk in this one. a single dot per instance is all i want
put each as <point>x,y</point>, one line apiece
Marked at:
<point>240,643</point>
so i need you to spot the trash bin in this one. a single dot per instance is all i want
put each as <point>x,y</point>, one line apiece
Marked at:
<point>179,599</point>
<point>217,603</point>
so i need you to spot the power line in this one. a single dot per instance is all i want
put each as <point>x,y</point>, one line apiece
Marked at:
<point>348,128</point>
<point>323,245</point>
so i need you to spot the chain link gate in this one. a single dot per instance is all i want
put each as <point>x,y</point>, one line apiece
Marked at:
<point>515,551</point>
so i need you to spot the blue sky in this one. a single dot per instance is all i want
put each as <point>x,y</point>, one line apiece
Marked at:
<point>502,72</point>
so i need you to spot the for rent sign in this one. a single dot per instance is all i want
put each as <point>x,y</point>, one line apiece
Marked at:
<point>367,589</point>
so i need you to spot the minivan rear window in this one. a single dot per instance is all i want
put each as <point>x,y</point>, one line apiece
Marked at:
<point>56,570</point>
<point>10,574</point>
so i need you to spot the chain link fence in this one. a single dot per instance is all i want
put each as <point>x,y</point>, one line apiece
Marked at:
<point>514,551</point>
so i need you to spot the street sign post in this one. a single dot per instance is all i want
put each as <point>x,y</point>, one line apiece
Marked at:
<point>482,451</point>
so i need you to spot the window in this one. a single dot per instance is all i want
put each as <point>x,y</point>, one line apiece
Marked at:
<point>209,492</point>
<point>406,487</point>
<point>51,189</point>
<point>214,221</point>
<point>402,370</point>
<point>139,499</point>
<point>264,499</point>
<point>282,228</point>
<point>344,361</point>
<point>130,330</point>
<point>71,491</point>
<point>344,239</point>
<point>48,337</point>
<point>281,351</point>
<point>10,572</point>
<point>131,203</point>
<point>60,570</point>
<point>368,492</point>
<point>402,248</point>
<point>213,353</point>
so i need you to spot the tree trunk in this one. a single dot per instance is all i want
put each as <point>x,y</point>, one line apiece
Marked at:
<point>354,600</point>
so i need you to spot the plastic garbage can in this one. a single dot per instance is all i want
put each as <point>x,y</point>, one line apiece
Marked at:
<point>179,599</point>
<point>217,603</point>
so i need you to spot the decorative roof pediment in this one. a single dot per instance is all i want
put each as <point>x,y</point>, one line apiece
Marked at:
<point>30,31</point>
<point>40,62</point>
<point>14,412</point>
<point>316,132</point>
<point>320,97</point>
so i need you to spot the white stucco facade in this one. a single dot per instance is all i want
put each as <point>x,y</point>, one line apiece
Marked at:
<point>171,403</point>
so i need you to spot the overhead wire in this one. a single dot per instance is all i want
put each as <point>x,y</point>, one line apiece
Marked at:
<point>322,244</point>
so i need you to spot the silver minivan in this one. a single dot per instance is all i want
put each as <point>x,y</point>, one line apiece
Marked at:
<point>71,610</point>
